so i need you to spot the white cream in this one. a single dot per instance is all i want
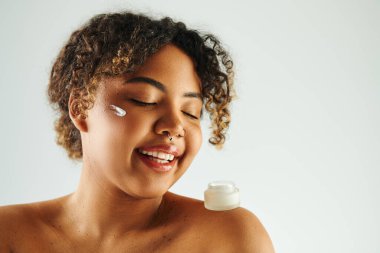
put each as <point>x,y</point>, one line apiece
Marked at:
<point>118,111</point>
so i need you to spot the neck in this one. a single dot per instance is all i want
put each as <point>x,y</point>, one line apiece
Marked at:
<point>98,210</point>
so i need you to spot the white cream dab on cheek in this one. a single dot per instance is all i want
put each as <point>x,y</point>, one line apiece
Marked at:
<point>118,111</point>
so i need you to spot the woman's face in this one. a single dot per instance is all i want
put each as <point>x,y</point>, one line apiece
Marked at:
<point>162,98</point>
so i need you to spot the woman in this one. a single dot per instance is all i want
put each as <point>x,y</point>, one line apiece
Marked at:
<point>130,93</point>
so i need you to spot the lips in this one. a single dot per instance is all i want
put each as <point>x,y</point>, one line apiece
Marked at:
<point>157,166</point>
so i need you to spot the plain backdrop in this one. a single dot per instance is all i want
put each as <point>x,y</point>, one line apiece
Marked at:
<point>304,143</point>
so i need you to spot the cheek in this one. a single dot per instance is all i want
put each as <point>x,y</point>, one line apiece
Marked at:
<point>135,122</point>
<point>131,129</point>
<point>194,140</point>
<point>113,129</point>
<point>122,119</point>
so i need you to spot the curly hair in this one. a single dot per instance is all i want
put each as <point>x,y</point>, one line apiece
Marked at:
<point>117,43</point>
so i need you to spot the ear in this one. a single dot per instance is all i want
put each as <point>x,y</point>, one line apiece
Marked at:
<point>78,119</point>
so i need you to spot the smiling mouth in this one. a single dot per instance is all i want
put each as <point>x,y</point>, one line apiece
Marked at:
<point>158,156</point>
<point>156,163</point>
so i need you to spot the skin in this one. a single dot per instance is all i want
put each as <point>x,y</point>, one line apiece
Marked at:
<point>122,205</point>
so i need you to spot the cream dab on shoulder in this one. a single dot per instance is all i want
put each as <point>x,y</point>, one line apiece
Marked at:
<point>118,111</point>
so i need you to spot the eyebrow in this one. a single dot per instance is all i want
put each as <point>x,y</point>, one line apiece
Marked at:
<point>147,80</point>
<point>161,87</point>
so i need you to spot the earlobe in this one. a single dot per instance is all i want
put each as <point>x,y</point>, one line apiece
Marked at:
<point>76,116</point>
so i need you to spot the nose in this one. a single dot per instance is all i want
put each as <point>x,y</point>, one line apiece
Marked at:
<point>170,124</point>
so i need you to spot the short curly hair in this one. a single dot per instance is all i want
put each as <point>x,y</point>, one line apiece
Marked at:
<point>113,44</point>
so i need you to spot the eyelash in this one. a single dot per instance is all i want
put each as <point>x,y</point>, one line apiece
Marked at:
<point>191,116</point>
<point>141,103</point>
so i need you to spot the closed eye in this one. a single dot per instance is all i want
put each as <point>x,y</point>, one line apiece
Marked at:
<point>141,103</point>
<point>190,115</point>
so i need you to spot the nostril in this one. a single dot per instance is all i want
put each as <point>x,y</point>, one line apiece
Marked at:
<point>182,134</point>
<point>169,128</point>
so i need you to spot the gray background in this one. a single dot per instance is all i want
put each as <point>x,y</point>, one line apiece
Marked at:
<point>304,144</point>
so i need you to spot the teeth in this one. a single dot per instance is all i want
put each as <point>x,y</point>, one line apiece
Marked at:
<point>160,155</point>
<point>158,160</point>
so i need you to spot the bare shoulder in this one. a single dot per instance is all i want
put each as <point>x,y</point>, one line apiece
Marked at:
<point>12,222</point>
<point>20,223</point>
<point>242,231</point>
<point>236,230</point>
<point>12,216</point>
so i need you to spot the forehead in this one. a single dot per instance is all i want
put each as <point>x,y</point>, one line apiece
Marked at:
<point>171,67</point>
